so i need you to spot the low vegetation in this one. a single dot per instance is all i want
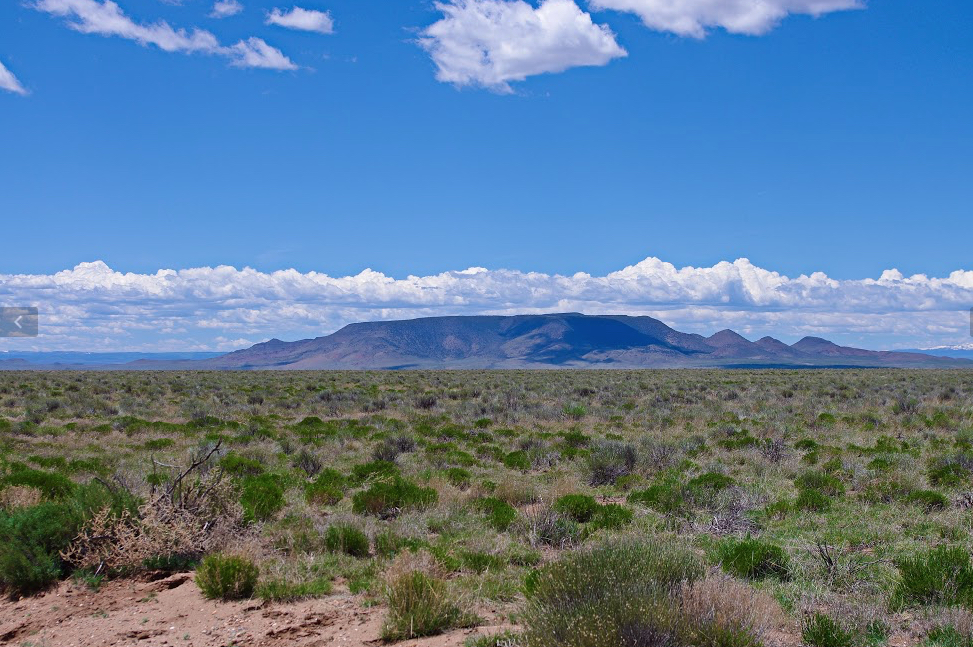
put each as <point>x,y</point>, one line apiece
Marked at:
<point>703,508</point>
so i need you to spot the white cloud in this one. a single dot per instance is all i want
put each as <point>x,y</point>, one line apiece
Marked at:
<point>93,307</point>
<point>107,19</point>
<point>9,82</point>
<point>225,8</point>
<point>254,52</point>
<point>694,17</point>
<point>302,19</point>
<point>490,43</point>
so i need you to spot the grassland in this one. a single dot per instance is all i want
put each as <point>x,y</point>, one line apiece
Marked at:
<point>585,508</point>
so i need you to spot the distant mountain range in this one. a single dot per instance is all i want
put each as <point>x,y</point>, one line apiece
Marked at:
<point>568,340</point>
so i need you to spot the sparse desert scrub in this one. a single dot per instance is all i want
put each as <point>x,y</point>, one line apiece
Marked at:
<point>872,466</point>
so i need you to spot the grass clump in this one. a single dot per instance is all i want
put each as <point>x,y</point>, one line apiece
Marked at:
<point>949,636</point>
<point>389,497</point>
<point>327,488</point>
<point>711,482</point>
<point>280,590</point>
<point>262,497</point>
<point>668,497</point>
<point>346,538</point>
<point>499,513</point>
<point>928,500</point>
<point>610,460</point>
<point>378,469</point>
<point>820,630</point>
<point>812,501</point>
<point>579,507</point>
<point>611,517</point>
<point>822,482</point>
<point>753,559</point>
<point>942,575</point>
<point>636,592</point>
<point>419,604</point>
<point>226,577</point>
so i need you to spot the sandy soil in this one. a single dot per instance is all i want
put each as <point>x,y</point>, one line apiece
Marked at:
<point>172,611</point>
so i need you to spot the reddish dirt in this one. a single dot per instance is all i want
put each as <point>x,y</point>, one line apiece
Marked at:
<point>172,612</point>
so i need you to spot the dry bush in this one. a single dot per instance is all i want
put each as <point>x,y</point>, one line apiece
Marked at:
<point>958,618</point>
<point>517,491</point>
<point>545,526</point>
<point>19,496</point>
<point>204,519</point>
<point>730,604</point>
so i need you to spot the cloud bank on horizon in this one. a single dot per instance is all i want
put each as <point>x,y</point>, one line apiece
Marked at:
<point>92,307</point>
<point>480,43</point>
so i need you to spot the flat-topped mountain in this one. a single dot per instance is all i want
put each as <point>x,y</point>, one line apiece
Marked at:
<point>568,340</point>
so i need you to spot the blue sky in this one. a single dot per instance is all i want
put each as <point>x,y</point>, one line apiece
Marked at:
<point>835,144</point>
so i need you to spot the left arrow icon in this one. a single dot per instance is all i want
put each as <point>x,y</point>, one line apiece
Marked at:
<point>17,322</point>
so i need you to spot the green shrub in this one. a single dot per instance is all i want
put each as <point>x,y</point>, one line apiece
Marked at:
<point>812,501</point>
<point>262,497</point>
<point>880,464</point>
<point>611,517</point>
<point>832,466</point>
<point>928,500</point>
<point>32,538</point>
<point>388,544</point>
<point>820,630</point>
<point>374,470</point>
<point>942,575</point>
<point>387,498</point>
<point>481,562</point>
<point>753,559</point>
<point>778,509</point>
<point>420,605</point>
<point>517,460</point>
<point>327,488</point>
<point>226,577</point>
<point>949,471</point>
<point>711,482</point>
<point>668,497</point>
<point>500,514</point>
<point>822,482</point>
<point>241,465</point>
<point>617,593</point>
<point>459,477</point>
<point>346,538</point>
<point>948,636</point>
<point>53,486</point>
<point>579,507</point>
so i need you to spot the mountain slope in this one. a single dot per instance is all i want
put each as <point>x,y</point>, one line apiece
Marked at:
<point>568,340</point>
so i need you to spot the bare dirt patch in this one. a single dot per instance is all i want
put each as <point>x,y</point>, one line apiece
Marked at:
<point>172,612</point>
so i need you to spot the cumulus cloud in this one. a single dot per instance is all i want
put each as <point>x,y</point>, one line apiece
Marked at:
<point>225,8</point>
<point>92,307</point>
<point>302,19</point>
<point>9,82</point>
<point>694,17</point>
<point>490,43</point>
<point>107,19</point>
